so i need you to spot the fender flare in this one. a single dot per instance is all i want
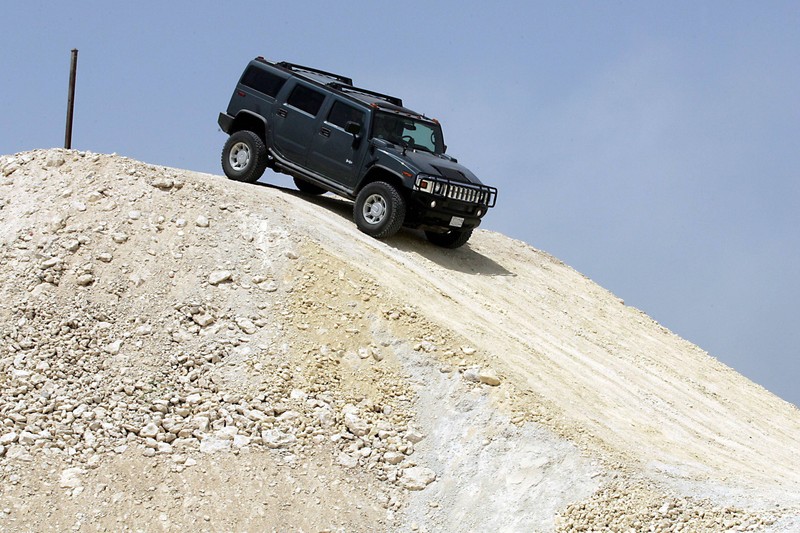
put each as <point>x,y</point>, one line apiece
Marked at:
<point>245,120</point>
<point>392,176</point>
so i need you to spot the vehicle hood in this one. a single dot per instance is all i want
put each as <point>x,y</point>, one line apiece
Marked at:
<point>436,165</point>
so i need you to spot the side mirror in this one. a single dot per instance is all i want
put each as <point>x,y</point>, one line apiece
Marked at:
<point>354,128</point>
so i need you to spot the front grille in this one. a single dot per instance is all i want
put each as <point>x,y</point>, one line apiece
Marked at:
<point>468,193</point>
<point>464,194</point>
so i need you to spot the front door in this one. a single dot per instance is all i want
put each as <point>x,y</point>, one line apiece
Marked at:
<point>335,153</point>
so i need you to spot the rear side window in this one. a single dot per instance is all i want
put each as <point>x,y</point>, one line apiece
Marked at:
<point>306,99</point>
<point>262,81</point>
<point>342,113</point>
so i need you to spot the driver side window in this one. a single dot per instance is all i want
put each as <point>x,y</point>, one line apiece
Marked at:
<point>342,113</point>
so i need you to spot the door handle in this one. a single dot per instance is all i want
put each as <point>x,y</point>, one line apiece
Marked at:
<point>282,113</point>
<point>325,132</point>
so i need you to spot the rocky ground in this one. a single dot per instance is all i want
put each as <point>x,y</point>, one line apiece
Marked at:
<point>180,352</point>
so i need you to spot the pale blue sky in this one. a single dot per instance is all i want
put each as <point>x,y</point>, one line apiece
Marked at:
<point>653,146</point>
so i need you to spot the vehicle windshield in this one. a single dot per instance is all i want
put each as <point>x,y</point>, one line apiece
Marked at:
<point>417,133</point>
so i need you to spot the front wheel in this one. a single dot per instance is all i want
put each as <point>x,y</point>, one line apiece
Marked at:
<point>450,239</point>
<point>379,210</point>
<point>244,157</point>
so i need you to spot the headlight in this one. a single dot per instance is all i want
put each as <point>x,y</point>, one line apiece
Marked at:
<point>425,183</point>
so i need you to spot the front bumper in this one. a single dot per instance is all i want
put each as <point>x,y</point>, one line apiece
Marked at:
<point>445,215</point>
<point>442,204</point>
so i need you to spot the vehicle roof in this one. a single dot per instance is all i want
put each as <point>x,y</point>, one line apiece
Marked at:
<point>344,86</point>
<point>384,105</point>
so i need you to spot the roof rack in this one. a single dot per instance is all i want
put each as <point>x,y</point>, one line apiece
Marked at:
<point>344,80</point>
<point>348,88</point>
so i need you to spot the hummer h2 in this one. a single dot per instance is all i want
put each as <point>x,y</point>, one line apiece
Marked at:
<point>331,136</point>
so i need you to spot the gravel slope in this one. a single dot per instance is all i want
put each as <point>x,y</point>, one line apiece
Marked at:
<point>178,351</point>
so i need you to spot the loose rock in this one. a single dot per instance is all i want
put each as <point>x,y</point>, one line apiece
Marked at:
<point>417,477</point>
<point>220,276</point>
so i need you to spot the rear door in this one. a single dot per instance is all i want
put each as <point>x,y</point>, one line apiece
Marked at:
<point>294,121</point>
<point>334,152</point>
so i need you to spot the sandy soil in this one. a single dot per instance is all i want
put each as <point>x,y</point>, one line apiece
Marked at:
<point>182,352</point>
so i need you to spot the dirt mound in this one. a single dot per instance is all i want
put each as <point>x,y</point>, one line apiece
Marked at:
<point>181,351</point>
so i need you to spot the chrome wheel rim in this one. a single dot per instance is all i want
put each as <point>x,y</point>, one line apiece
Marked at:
<point>239,156</point>
<point>374,209</point>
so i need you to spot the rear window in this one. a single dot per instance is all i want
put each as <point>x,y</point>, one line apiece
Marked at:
<point>262,81</point>
<point>306,99</point>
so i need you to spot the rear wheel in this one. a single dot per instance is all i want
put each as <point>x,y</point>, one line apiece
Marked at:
<point>244,157</point>
<point>307,187</point>
<point>450,239</point>
<point>379,210</point>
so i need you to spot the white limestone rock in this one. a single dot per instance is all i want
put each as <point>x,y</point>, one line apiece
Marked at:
<point>246,325</point>
<point>274,439</point>
<point>353,421</point>
<point>417,477</point>
<point>71,478</point>
<point>488,377</point>
<point>149,431</point>
<point>220,276</point>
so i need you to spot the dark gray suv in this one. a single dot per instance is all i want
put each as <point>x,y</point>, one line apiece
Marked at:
<point>332,136</point>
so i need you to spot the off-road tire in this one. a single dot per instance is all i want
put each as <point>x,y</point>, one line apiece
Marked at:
<point>244,157</point>
<point>451,239</point>
<point>308,187</point>
<point>379,210</point>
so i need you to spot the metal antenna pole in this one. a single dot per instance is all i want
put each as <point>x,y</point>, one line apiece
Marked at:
<point>71,98</point>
